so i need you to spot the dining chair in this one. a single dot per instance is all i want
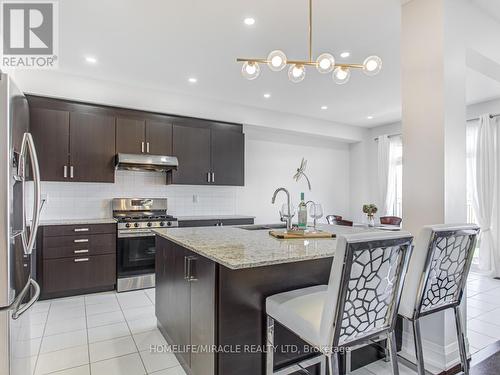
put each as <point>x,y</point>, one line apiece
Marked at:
<point>358,305</point>
<point>332,218</point>
<point>346,223</point>
<point>437,276</point>
<point>390,220</point>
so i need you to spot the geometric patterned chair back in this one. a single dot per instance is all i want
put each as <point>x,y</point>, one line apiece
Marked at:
<point>365,286</point>
<point>447,266</point>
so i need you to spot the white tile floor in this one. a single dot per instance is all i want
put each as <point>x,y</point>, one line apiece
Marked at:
<point>98,334</point>
<point>110,333</point>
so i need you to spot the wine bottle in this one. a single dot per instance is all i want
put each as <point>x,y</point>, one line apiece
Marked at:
<point>302,216</point>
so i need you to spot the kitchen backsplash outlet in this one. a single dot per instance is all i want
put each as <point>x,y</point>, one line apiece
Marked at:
<point>93,200</point>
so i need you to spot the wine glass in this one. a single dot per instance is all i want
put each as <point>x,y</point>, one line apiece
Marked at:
<point>284,210</point>
<point>316,212</point>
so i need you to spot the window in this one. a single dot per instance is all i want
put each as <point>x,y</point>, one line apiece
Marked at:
<point>396,175</point>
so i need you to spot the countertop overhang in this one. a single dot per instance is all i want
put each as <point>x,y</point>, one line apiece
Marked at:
<point>237,248</point>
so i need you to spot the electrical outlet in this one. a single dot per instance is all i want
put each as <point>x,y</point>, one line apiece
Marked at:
<point>195,198</point>
<point>45,197</point>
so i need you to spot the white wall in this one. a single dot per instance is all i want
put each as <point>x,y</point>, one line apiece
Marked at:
<point>271,161</point>
<point>271,158</point>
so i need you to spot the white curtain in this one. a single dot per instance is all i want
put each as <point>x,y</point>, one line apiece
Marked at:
<point>483,172</point>
<point>384,147</point>
<point>388,158</point>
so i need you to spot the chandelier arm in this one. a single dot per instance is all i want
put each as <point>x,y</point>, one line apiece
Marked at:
<point>310,31</point>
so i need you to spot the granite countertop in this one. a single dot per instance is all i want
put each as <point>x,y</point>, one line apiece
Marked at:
<point>77,221</point>
<point>237,248</point>
<point>213,217</point>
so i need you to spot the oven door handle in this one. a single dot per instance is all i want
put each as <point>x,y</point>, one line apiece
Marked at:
<point>133,234</point>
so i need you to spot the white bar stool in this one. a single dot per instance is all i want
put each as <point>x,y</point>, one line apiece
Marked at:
<point>359,304</point>
<point>436,279</point>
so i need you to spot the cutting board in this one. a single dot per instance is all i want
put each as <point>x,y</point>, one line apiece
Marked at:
<point>282,235</point>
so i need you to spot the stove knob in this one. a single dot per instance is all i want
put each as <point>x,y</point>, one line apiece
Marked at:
<point>149,224</point>
<point>162,224</point>
<point>127,225</point>
<point>136,225</point>
<point>169,224</point>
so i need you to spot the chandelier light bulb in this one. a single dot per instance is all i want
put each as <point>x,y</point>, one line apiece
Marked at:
<point>297,73</point>
<point>341,75</point>
<point>250,70</point>
<point>276,60</point>
<point>372,65</point>
<point>325,63</point>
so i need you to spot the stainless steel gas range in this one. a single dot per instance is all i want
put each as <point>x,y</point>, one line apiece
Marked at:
<point>136,242</point>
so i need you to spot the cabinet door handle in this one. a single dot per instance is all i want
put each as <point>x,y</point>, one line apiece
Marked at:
<point>71,170</point>
<point>83,240</point>
<point>78,260</point>
<point>191,271</point>
<point>147,147</point>
<point>83,251</point>
<point>208,176</point>
<point>213,176</point>
<point>65,169</point>
<point>186,277</point>
<point>81,230</point>
<point>142,147</point>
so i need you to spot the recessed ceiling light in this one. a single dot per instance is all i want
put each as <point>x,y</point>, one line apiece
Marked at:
<point>324,107</point>
<point>369,117</point>
<point>249,21</point>
<point>267,95</point>
<point>345,55</point>
<point>91,60</point>
<point>192,80</point>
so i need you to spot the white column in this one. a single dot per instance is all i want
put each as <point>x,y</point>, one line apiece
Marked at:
<point>434,175</point>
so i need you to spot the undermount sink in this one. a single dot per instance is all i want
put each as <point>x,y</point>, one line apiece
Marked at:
<point>264,226</point>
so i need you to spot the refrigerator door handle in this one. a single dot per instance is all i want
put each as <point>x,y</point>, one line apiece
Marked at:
<point>28,146</point>
<point>20,310</point>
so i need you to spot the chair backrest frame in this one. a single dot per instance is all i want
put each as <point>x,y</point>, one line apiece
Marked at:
<point>436,235</point>
<point>405,246</point>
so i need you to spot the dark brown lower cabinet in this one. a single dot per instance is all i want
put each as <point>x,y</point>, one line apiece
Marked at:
<point>76,259</point>
<point>187,281</point>
<point>68,275</point>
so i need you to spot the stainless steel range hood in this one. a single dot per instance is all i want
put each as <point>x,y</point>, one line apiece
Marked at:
<point>142,162</point>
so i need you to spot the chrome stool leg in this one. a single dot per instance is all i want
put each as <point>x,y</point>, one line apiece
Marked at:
<point>333,364</point>
<point>461,340</point>
<point>393,352</point>
<point>322,365</point>
<point>419,353</point>
<point>270,346</point>
<point>348,359</point>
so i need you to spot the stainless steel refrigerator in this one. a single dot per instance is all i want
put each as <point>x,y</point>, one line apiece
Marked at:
<point>18,290</point>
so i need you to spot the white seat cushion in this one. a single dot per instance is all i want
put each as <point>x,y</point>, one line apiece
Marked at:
<point>300,311</point>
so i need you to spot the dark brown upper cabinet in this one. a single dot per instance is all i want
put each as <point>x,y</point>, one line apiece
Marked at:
<point>73,142</point>
<point>158,137</point>
<point>191,145</point>
<point>136,136</point>
<point>228,157</point>
<point>130,136</point>
<point>208,153</point>
<point>92,147</point>
<point>50,131</point>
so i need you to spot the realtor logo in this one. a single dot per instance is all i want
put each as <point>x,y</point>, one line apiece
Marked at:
<point>29,34</point>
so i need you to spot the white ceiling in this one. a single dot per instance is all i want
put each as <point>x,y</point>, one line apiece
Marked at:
<point>480,88</point>
<point>491,7</point>
<point>161,43</point>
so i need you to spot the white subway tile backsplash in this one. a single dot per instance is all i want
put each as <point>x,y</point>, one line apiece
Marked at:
<point>93,200</point>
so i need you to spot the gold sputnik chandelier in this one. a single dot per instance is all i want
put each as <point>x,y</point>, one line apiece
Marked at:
<point>325,63</point>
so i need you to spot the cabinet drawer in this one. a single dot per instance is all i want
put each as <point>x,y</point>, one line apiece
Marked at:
<point>62,275</point>
<point>82,245</point>
<point>72,230</point>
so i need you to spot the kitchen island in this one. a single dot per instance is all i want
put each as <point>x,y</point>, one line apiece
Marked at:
<point>211,286</point>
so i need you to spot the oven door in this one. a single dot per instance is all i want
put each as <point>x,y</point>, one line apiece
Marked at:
<point>136,254</point>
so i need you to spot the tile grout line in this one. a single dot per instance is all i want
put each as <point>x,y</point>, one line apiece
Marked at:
<point>42,338</point>
<point>132,335</point>
<point>87,332</point>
